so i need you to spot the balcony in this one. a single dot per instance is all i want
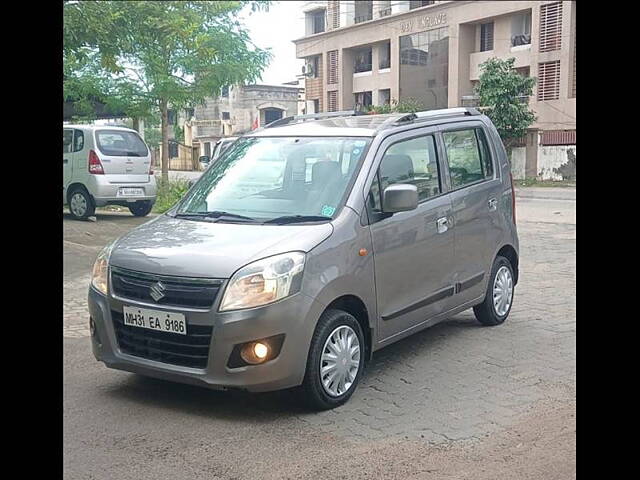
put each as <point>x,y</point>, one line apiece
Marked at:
<point>521,54</point>
<point>362,67</point>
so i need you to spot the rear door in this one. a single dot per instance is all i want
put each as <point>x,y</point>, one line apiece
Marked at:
<point>475,193</point>
<point>124,155</point>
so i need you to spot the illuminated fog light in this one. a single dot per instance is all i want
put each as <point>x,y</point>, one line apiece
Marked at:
<point>260,350</point>
<point>254,352</point>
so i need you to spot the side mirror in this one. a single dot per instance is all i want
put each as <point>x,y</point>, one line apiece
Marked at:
<point>400,197</point>
<point>204,159</point>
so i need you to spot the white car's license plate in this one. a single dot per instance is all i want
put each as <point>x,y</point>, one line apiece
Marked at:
<point>130,192</point>
<point>155,320</point>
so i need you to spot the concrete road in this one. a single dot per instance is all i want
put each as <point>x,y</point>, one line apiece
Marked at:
<point>454,401</point>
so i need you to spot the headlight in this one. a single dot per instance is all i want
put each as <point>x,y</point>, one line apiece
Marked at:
<point>100,273</point>
<point>264,281</point>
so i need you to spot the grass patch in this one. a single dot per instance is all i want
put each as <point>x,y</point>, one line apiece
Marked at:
<point>532,182</point>
<point>169,193</point>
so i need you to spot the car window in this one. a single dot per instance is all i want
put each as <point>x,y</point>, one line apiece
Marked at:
<point>67,140</point>
<point>411,161</point>
<point>121,143</point>
<point>78,141</point>
<point>485,154</point>
<point>463,156</point>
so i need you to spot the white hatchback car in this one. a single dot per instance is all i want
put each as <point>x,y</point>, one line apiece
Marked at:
<point>105,165</point>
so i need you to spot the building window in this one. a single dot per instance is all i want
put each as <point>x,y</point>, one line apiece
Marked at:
<point>419,3</point>
<point>521,29</point>
<point>332,67</point>
<point>311,68</point>
<point>226,116</point>
<point>549,81</point>
<point>384,52</point>
<point>424,68</point>
<point>550,27</point>
<point>363,99</point>
<point>316,21</point>
<point>271,115</point>
<point>363,60</point>
<point>384,96</point>
<point>333,12</point>
<point>332,101</point>
<point>363,11</point>
<point>224,93</point>
<point>486,37</point>
<point>189,112</point>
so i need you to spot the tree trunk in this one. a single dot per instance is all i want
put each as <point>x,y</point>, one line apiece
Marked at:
<point>136,124</point>
<point>164,113</point>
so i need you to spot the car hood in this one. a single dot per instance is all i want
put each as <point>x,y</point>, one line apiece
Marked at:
<point>173,246</point>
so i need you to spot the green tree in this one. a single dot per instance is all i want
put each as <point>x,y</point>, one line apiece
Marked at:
<point>149,56</point>
<point>504,97</point>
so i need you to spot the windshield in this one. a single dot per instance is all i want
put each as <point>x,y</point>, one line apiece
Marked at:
<point>265,178</point>
<point>121,143</point>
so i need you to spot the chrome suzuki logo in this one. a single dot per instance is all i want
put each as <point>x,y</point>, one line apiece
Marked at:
<point>157,291</point>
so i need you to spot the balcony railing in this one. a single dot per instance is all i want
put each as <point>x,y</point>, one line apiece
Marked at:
<point>384,12</point>
<point>523,39</point>
<point>362,67</point>
<point>363,18</point>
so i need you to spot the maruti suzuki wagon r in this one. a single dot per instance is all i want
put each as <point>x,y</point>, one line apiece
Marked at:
<point>312,243</point>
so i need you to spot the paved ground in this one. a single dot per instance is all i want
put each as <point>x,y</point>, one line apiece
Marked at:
<point>454,401</point>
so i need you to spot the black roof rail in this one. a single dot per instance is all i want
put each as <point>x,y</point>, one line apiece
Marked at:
<point>313,116</point>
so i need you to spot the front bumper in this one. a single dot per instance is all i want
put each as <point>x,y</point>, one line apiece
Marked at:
<point>295,317</point>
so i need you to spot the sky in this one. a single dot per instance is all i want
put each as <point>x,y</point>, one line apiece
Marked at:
<point>275,29</point>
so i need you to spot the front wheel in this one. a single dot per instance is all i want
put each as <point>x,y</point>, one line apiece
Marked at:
<point>336,361</point>
<point>499,298</point>
<point>141,208</point>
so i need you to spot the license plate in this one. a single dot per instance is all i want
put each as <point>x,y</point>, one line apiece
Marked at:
<point>130,192</point>
<point>155,320</point>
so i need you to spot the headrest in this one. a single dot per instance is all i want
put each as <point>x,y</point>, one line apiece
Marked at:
<point>396,168</point>
<point>324,172</point>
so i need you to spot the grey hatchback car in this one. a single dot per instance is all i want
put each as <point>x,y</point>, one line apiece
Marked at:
<point>312,243</point>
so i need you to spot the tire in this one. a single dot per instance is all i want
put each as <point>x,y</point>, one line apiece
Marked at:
<point>141,208</point>
<point>81,204</point>
<point>315,394</point>
<point>491,312</point>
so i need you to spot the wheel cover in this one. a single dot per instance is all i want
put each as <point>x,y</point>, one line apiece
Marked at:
<point>340,361</point>
<point>78,204</point>
<point>502,291</point>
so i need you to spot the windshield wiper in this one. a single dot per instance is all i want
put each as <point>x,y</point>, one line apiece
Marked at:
<point>216,215</point>
<point>297,219</point>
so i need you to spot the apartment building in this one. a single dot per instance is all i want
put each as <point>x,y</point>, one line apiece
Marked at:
<point>361,53</point>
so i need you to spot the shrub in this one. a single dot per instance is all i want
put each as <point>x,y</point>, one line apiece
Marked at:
<point>169,193</point>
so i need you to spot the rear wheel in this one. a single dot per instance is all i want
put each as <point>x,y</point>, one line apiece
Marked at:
<point>499,297</point>
<point>81,204</point>
<point>335,362</point>
<point>141,208</point>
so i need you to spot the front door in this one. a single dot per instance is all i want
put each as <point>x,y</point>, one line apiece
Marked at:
<point>475,193</point>
<point>67,160</point>
<point>413,250</point>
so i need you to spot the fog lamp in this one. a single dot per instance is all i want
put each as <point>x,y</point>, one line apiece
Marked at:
<point>254,352</point>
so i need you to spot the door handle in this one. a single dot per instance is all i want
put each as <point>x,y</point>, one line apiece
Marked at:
<point>493,204</point>
<point>65,160</point>
<point>442,224</point>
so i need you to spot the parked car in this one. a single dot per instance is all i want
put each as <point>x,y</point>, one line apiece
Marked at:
<point>359,231</point>
<point>106,165</point>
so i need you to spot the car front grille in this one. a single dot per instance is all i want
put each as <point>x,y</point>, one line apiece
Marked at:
<point>190,350</point>
<point>177,291</point>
